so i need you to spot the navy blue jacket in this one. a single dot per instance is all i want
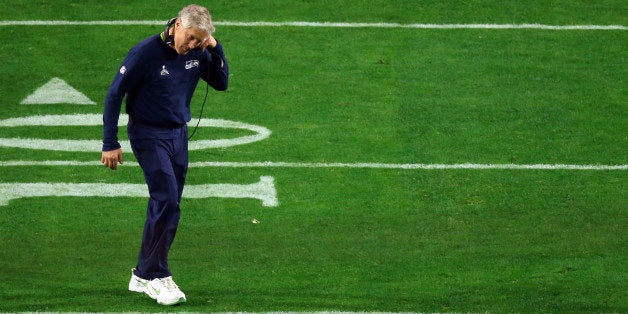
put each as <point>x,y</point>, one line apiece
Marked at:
<point>158,84</point>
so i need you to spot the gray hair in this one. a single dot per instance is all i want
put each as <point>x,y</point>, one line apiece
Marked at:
<point>196,16</point>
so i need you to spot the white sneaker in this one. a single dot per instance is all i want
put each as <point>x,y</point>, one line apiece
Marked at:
<point>164,290</point>
<point>137,284</point>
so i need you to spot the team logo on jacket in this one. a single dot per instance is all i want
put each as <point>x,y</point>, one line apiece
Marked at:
<point>164,71</point>
<point>191,64</point>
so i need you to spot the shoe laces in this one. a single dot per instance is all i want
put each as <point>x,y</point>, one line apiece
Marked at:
<point>169,284</point>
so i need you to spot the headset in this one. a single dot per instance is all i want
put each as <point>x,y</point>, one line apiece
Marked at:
<point>170,41</point>
<point>167,38</point>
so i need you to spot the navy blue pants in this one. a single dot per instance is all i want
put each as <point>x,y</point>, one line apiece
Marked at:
<point>165,164</point>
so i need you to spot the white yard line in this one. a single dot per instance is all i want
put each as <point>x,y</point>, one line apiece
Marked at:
<point>325,24</point>
<point>264,190</point>
<point>272,164</point>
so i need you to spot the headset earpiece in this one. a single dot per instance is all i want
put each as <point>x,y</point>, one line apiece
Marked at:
<point>167,38</point>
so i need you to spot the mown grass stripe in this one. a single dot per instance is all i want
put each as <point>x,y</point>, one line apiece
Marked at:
<point>272,164</point>
<point>326,24</point>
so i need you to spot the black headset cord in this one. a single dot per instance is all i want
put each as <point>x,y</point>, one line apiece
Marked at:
<point>201,114</point>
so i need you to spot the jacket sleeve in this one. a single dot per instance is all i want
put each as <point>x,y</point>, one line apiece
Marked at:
<point>128,75</point>
<point>216,71</point>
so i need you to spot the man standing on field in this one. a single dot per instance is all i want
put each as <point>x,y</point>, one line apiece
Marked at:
<point>158,78</point>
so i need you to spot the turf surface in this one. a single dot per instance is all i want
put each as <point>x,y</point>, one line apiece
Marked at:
<point>343,238</point>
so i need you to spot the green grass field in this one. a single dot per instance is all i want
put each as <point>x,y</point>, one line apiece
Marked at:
<point>353,230</point>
